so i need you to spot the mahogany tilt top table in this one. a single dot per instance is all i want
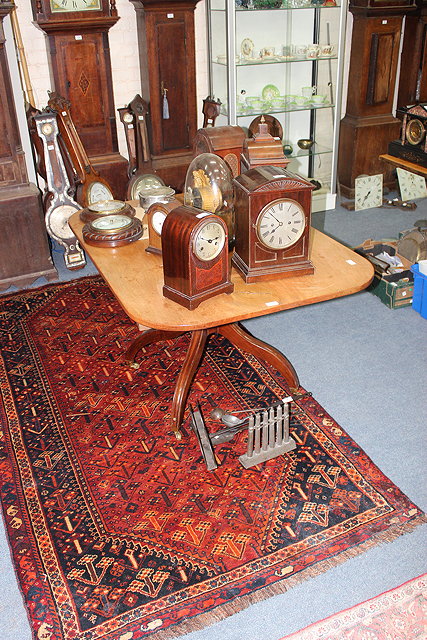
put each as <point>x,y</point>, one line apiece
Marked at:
<point>136,279</point>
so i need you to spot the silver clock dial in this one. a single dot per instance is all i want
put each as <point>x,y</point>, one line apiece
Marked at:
<point>157,220</point>
<point>58,221</point>
<point>280,224</point>
<point>368,192</point>
<point>98,191</point>
<point>209,241</point>
<point>59,6</point>
<point>103,206</point>
<point>111,223</point>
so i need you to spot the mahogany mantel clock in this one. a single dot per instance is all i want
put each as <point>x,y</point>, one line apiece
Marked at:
<point>24,245</point>
<point>195,256</point>
<point>80,67</point>
<point>273,211</point>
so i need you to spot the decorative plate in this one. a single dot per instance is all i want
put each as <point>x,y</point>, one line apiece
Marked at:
<point>270,91</point>
<point>247,48</point>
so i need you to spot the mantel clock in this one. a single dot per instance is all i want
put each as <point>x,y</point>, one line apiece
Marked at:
<point>195,256</point>
<point>273,211</point>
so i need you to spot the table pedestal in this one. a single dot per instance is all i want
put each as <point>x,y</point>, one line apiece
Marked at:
<point>235,333</point>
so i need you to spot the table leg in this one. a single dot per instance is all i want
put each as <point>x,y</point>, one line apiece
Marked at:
<point>146,338</point>
<point>185,378</point>
<point>241,338</point>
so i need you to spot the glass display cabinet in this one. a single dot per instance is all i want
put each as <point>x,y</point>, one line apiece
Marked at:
<point>283,58</point>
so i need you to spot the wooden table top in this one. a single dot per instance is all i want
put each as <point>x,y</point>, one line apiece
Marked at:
<point>404,164</point>
<point>136,279</point>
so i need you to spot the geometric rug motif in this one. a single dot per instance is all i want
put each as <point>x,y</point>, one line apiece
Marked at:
<point>117,530</point>
<point>398,614</point>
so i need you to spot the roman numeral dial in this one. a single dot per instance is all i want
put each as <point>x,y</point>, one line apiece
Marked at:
<point>280,224</point>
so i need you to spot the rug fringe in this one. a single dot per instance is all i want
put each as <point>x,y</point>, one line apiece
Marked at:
<point>243,602</point>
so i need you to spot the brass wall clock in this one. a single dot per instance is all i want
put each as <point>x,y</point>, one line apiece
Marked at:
<point>59,205</point>
<point>273,212</point>
<point>112,231</point>
<point>91,187</point>
<point>156,216</point>
<point>195,256</point>
<point>368,192</point>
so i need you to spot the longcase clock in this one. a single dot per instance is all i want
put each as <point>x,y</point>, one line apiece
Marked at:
<point>369,124</point>
<point>168,82</point>
<point>24,246</point>
<point>80,67</point>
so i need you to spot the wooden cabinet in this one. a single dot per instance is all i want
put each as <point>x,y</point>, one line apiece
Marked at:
<point>413,62</point>
<point>24,246</point>
<point>369,124</point>
<point>168,83</point>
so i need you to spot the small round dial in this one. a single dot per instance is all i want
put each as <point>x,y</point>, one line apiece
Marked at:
<point>103,206</point>
<point>280,224</point>
<point>157,220</point>
<point>98,191</point>
<point>209,241</point>
<point>58,221</point>
<point>415,131</point>
<point>128,118</point>
<point>47,129</point>
<point>111,224</point>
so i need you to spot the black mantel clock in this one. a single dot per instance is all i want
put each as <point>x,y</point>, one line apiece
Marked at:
<point>80,68</point>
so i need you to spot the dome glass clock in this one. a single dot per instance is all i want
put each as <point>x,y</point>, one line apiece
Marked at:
<point>209,186</point>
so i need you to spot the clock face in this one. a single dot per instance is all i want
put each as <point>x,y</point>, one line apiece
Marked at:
<point>145,182</point>
<point>128,118</point>
<point>47,129</point>
<point>112,223</point>
<point>60,6</point>
<point>58,221</point>
<point>368,192</point>
<point>209,241</point>
<point>98,191</point>
<point>415,131</point>
<point>157,220</point>
<point>280,224</point>
<point>411,185</point>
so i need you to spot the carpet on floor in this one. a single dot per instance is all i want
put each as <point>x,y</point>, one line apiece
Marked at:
<point>117,530</point>
<point>398,614</point>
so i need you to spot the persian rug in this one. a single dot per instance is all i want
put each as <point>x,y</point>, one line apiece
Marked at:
<point>398,614</point>
<point>117,530</point>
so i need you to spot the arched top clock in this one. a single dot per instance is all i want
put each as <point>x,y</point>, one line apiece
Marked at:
<point>73,13</point>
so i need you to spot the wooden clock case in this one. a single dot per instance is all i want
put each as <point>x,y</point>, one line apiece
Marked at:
<point>24,245</point>
<point>188,280</point>
<point>413,61</point>
<point>369,125</point>
<point>263,149</point>
<point>168,70</point>
<point>254,190</point>
<point>80,67</point>
<point>226,142</point>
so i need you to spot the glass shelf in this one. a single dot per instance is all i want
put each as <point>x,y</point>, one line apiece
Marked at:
<point>282,7</point>
<point>276,60</point>
<point>270,110</point>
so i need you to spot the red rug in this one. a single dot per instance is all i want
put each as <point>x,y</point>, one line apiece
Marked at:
<point>398,614</point>
<point>116,528</point>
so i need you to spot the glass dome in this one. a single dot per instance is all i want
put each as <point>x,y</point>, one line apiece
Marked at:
<point>209,186</point>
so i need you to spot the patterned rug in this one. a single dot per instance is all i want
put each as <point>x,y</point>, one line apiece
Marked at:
<point>117,529</point>
<point>398,614</point>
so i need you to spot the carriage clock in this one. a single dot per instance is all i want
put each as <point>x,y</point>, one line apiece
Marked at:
<point>273,211</point>
<point>59,205</point>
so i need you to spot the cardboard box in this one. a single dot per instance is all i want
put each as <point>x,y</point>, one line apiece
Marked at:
<point>394,286</point>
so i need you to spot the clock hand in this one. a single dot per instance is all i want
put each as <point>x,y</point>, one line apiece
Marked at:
<point>210,240</point>
<point>368,194</point>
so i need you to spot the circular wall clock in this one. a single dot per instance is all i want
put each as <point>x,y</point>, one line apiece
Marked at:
<point>112,230</point>
<point>273,212</point>
<point>156,215</point>
<point>280,223</point>
<point>105,207</point>
<point>195,256</point>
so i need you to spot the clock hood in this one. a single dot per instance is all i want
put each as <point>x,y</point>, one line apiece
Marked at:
<point>259,178</point>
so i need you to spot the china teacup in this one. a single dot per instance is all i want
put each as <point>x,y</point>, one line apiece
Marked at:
<point>326,50</point>
<point>299,50</point>
<point>313,51</point>
<point>318,99</point>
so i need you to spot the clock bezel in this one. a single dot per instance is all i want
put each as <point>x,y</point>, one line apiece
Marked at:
<point>197,234</point>
<point>262,215</point>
